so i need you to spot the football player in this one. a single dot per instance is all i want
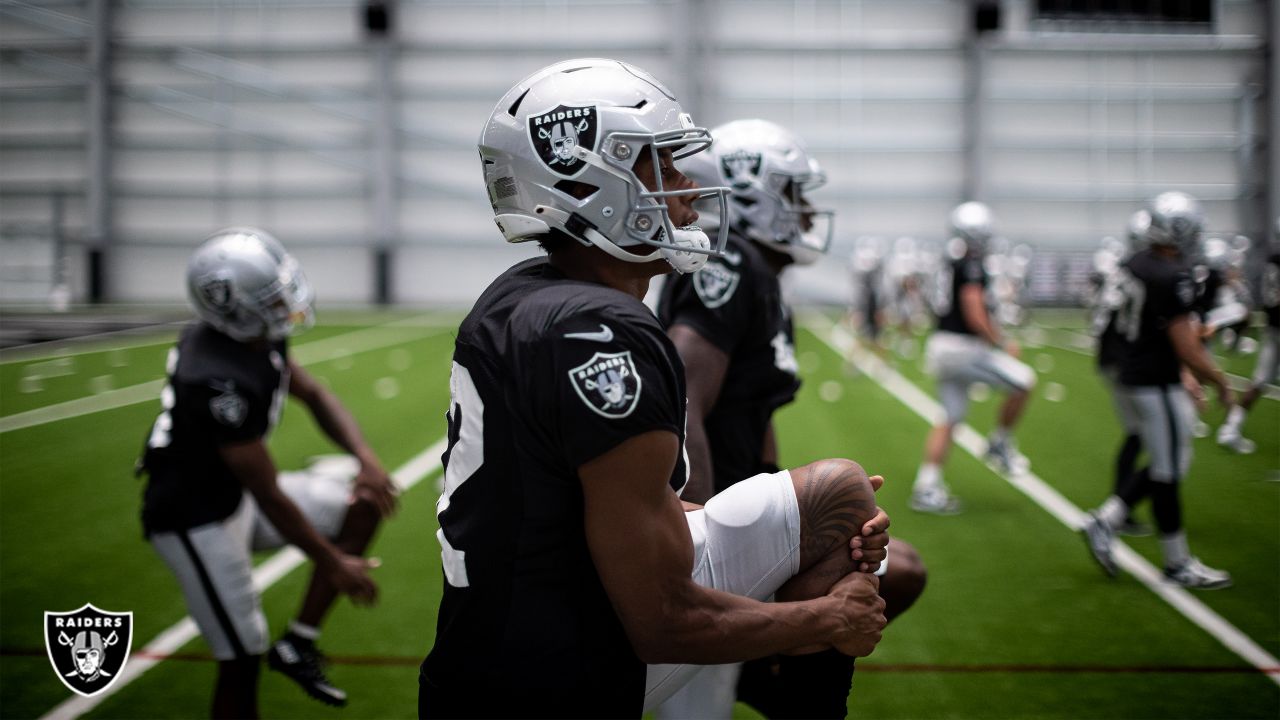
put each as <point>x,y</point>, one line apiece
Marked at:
<point>966,348</point>
<point>734,333</point>
<point>1268,365</point>
<point>1111,345</point>
<point>1157,321</point>
<point>213,493</point>
<point>569,560</point>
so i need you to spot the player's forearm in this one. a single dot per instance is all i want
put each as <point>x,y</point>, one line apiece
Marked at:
<point>293,526</point>
<point>714,627</point>
<point>340,425</point>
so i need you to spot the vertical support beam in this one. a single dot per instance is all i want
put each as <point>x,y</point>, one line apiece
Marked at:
<point>688,52</point>
<point>974,130</point>
<point>1273,137</point>
<point>380,25</point>
<point>98,146</point>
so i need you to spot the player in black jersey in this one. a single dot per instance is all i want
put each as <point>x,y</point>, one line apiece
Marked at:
<point>734,333</point>
<point>569,559</point>
<point>1157,321</point>
<point>213,494</point>
<point>969,347</point>
<point>1268,367</point>
<point>1106,303</point>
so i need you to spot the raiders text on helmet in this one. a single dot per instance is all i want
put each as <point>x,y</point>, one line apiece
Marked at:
<point>768,170</point>
<point>242,282</point>
<point>558,151</point>
<point>973,224</point>
<point>1176,221</point>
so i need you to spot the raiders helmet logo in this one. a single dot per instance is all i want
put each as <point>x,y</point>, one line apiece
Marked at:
<point>740,168</point>
<point>88,647</point>
<point>217,292</point>
<point>557,133</point>
<point>715,284</point>
<point>608,383</point>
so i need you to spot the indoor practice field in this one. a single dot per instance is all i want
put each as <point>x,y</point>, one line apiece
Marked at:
<point>1017,620</point>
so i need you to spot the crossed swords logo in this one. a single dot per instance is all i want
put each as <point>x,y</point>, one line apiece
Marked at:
<point>563,138</point>
<point>88,658</point>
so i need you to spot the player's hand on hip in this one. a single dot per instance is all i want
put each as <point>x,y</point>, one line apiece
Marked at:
<point>863,613</point>
<point>869,548</point>
<point>374,486</point>
<point>350,576</point>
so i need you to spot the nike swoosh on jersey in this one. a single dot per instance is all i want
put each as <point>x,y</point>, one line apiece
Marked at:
<point>605,334</point>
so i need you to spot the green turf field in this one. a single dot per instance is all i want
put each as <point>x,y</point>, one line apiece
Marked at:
<point>1017,621</point>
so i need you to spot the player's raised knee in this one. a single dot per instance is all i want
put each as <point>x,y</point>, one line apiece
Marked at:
<point>836,499</point>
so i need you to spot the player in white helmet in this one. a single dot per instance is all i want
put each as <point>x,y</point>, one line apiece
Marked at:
<point>213,493</point>
<point>1267,369</point>
<point>1156,319</point>
<point>969,347</point>
<point>569,560</point>
<point>734,333</point>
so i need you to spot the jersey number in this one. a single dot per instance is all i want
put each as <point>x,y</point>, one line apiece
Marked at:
<point>464,456</point>
<point>1129,314</point>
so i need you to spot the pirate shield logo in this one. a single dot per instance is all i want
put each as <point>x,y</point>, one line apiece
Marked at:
<point>715,284</point>
<point>740,168</point>
<point>556,133</point>
<point>216,291</point>
<point>88,647</point>
<point>608,383</point>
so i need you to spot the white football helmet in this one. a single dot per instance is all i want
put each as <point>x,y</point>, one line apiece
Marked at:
<point>973,224</point>
<point>558,150</point>
<point>1176,221</point>
<point>768,171</point>
<point>1137,231</point>
<point>243,283</point>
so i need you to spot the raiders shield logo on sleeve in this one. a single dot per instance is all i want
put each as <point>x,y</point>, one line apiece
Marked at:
<point>88,647</point>
<point>556,133</point>
<point>229,408</point>
<point>608,383</point>
<point>715,284</point>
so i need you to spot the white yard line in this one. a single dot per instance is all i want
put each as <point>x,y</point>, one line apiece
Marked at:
<point>1082,344</point>
<point>264,576</point>
<point>357,341</point>
<point>838,339</point>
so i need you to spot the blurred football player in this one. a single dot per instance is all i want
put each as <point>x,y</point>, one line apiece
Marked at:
<point>1106,304</point>
<point>1268,366</point>
<point>569,560</point>
<point>734,333</point>
<point>213,494</point>
<point>1156,319</point>
<point>969,347</point>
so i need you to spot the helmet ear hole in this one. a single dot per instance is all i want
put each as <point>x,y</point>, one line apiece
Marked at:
<point>577,190</point>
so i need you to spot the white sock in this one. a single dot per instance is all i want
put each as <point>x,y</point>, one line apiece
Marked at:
<point>307,632</point>
<point>1113,512</point>
<point>1174,547</point>
<point>1235,417</point>
<point>928,478</point>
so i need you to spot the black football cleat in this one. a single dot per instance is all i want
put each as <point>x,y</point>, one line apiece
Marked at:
<point>301,662</point>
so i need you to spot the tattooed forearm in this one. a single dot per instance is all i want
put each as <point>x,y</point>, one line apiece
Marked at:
<point>836,499</point>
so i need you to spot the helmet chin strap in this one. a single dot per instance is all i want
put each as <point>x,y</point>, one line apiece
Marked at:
<point>684,261</point>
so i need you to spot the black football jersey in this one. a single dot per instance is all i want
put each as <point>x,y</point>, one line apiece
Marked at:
<point>548,374</point>
<point>1207,287</point>
<point>220,391</point>
<point>1109,299</point>
<point>735,302</point>
<point>954,277</point>
<point>1271,290</point>
<point>1157,291</point>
